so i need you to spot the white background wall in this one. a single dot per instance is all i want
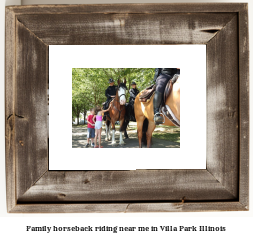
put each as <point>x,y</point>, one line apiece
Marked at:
<point>238,223</point>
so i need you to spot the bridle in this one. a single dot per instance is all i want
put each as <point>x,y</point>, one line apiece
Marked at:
<point>119,102</point>
<point>119,97</point>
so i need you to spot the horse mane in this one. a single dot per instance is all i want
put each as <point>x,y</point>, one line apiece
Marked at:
<point>122,85</point>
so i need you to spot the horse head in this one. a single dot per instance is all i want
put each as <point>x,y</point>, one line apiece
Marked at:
<point>122,92</point>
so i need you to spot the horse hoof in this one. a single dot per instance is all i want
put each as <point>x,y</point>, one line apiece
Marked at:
<point>106,139</point>
<point>114,143</point>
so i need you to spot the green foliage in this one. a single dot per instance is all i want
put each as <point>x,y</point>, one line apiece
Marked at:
<point>89,84</point>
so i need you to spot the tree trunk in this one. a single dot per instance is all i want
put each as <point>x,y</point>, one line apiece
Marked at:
<point>84,116</point>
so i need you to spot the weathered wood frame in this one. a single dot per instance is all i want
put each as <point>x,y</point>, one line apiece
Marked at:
<point>222,186</point>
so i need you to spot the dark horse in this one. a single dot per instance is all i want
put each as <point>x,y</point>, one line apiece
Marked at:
<point>129,116</point>
<point>117,113</point>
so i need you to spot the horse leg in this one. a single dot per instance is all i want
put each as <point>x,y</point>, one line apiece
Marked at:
<point>113,133</point>
<point>106,132</point>
<point>107,128</point>
<point>126,135</point>
<point>113,137</point>
<point>126,122</point>
<point>139,128</point>
<point>121,142</point>
<point>109,132</point>
<point>151,128</point>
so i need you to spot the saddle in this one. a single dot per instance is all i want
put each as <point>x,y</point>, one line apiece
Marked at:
<point>165,108</point>
<point>147,93</point>
<point>168,87</point>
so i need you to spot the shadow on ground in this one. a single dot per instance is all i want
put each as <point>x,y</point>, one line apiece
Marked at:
<point>79,139</point>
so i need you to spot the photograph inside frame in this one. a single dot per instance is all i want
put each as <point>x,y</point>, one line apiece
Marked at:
<point>125,108</point>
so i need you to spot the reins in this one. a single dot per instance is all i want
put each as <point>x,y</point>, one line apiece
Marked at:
<point>119,102</point>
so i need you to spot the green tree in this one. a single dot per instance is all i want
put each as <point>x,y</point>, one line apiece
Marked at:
<point>89,85</point>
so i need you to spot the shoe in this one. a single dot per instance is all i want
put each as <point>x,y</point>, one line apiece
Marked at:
<point>96,146</point>
<point>93,145</point>
<point>156,102</point>
<point>87,145</point>
<point>101,146</point>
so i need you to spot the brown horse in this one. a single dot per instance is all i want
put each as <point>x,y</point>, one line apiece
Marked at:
<point>117,113</point>
<point>144,110</point>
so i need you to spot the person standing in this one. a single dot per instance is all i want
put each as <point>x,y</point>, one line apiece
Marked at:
<point>98,126</point>
<point>90,129</point>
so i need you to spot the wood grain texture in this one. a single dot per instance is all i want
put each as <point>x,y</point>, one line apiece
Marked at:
<point>154,8</point>
<point>122,29</point>
<point>244,106</point>
<point>129,207</point>
<point>222,107</point>
<point>30,108</point>
<point>9,109</point>
<point>140,185</point>
<point>186,207</point>
<point>223,186</point>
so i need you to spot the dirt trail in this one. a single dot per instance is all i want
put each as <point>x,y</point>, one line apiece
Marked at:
<point>79,138</point>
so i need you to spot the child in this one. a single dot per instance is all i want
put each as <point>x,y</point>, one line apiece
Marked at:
<point>91,128</point>
<point>98,126</point>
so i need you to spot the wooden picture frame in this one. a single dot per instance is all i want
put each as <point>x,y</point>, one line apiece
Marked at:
<point>222,186</point>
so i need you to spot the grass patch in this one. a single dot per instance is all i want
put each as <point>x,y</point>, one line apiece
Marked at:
<point>168,127</point>
<point>175,137</point>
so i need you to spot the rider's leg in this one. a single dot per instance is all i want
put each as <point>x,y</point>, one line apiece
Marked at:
<point>161,82</point>
<point>105,106</point>
<point>158,119</point>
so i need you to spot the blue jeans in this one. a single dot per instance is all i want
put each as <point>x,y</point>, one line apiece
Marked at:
<point>91,133</point>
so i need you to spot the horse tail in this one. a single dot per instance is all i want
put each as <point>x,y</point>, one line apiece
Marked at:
<point>144,131</point>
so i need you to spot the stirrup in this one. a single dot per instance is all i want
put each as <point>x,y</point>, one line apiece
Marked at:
<point>162,116</point>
